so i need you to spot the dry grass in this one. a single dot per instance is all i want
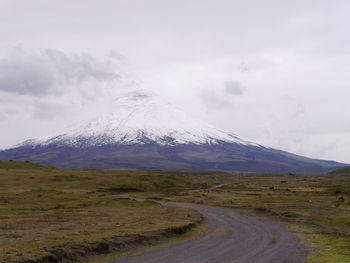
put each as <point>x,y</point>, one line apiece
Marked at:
<point>44,209</point>
<point>48,214</point>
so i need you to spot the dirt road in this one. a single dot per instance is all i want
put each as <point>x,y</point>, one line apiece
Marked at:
<point>232,236</point>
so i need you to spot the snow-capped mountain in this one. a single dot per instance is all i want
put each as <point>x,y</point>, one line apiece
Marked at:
<point>144,132</point>
<point>140,117</point>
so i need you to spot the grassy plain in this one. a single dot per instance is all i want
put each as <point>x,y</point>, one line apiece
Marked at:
<point>50,213</point>
<point>47,214</point>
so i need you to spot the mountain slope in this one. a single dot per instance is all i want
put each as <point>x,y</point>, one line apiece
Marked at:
<point>144,132</point>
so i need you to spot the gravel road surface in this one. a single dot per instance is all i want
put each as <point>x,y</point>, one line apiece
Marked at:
<point>232,236</point>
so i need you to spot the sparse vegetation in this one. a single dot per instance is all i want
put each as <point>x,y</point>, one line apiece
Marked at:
<point>47,214</point>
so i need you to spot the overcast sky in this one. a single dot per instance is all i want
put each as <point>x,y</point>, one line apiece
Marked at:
<point>275,72</point>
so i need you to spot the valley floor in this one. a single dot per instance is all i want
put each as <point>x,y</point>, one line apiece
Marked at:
<point>51,215</point>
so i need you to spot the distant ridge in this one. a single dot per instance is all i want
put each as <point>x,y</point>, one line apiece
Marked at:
<point>344,170</point>
<point>145,132</point>
<point>24,165</point>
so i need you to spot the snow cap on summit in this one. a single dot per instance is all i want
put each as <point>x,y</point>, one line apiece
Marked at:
<point>140,117</point>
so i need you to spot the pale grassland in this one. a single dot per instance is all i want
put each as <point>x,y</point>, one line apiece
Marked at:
<point>47,214</point>
<point>44,210</point>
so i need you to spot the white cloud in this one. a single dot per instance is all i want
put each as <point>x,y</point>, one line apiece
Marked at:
<point>47,72</point>
<point>215,100</point>
<point>234,88</point>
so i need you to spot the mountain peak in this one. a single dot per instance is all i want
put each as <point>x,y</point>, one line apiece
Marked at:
<point>140,117</point>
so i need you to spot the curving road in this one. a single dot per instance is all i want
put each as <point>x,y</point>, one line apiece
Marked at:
<point>232,236</point>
